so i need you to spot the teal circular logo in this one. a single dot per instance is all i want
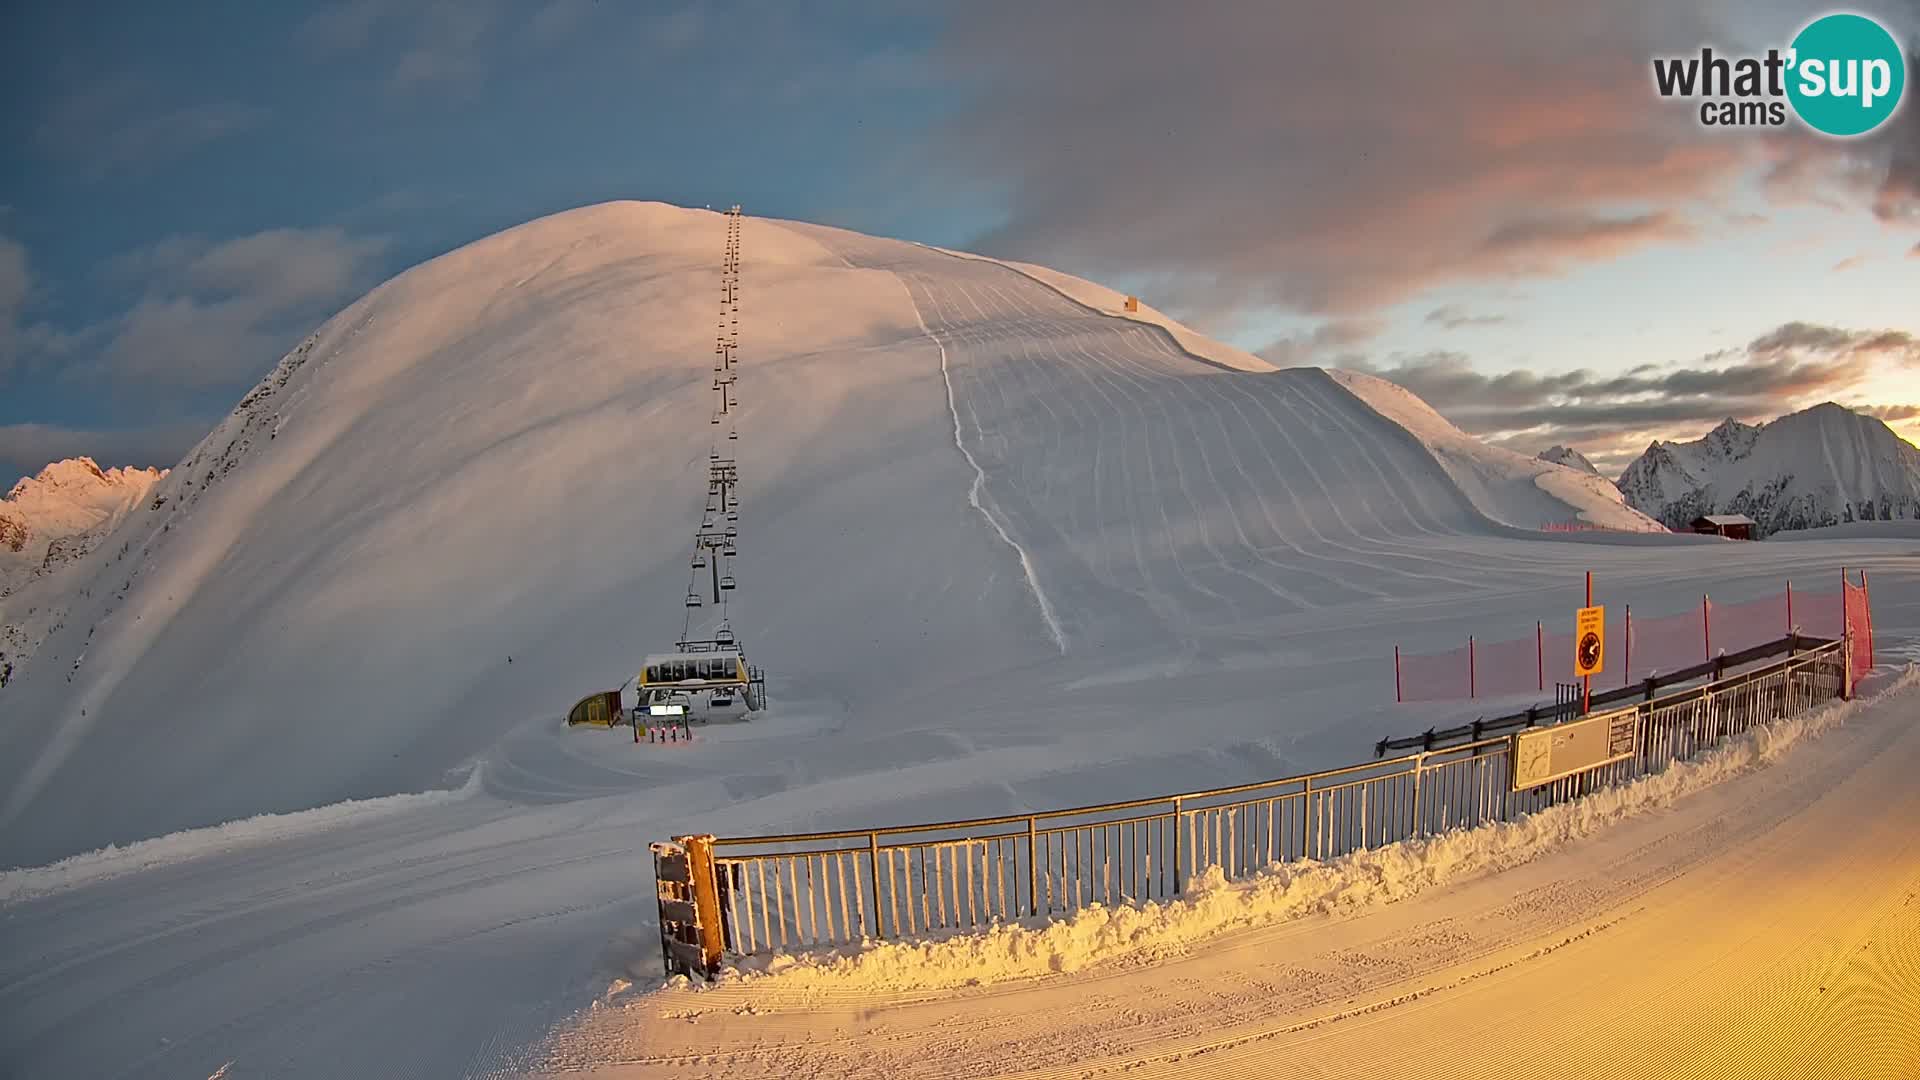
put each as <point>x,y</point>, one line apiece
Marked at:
<point>1847,74</point>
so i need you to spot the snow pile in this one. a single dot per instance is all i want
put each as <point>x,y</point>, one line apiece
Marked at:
<point>1826,465</point>
<point>1145,933</point>
<point>1568,456</point>
<point>1508,487</point>
<point>114,860</point>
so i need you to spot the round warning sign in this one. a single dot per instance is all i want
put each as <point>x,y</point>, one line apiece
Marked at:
<point>1589,637</point>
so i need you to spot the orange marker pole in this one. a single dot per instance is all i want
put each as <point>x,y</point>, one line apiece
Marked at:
<point>1586,681</point>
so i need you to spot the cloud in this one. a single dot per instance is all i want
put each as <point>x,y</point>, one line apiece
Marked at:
<point>16,281</point>
<point>1454,317</point>
<point>1313,345</point>
<point>215,313</point>
<point>111,128</point>
<point>26,448</point>
<point>1881,170</point>
<point>1612,417</point>
<point>451,46</point>
<point>1890,413</point>
<point>1332,159</point>
<point>1852,262</point>
<point>1340,159</point>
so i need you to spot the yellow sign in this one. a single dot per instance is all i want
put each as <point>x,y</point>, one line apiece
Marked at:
<point>1590,641</point>
<point>1543,755</point>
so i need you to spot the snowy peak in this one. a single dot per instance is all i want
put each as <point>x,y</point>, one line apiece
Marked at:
<point>1825,465</point>
<point>81,481</point>
<point>1730,441</point>
<point>52,518</point>
<point>1568,456</point>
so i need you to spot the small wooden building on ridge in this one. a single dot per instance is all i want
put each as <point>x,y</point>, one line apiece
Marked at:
<point>1731,526</point>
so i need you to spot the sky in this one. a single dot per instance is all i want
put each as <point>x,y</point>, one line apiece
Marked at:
<point>1484,201</point>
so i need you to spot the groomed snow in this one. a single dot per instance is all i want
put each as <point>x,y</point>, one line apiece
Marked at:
<point>1151,932</point>
<point>102,864</point>
<point>1512,488</point>
<point>1466,950</point>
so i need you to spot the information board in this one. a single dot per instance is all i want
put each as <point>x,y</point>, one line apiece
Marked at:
<point>1543,755</point>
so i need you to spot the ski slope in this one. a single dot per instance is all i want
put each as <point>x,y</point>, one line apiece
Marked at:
<point>1001,550</point>
<point>954,477</point>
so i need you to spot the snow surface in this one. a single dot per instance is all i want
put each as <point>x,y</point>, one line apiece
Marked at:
<point>501,453</point>
<point>1149,932</point>
<point>1826,465</point>
<point>1508,487</point>
<point>1113,303</point>
<point>1338,959</point>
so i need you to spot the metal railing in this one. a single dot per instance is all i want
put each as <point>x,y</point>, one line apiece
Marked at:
<point>1566,708</point>
<point>806,890</point>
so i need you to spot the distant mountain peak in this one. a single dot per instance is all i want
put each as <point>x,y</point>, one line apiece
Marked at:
<point>1568,456</point>
<point>78,476</point>
<point>55,516</point>
<point>1823,465</point>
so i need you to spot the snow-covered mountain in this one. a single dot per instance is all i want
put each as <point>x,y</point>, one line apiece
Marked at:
<point>48,522</point>
<point>1507,486</point>
<point>1568,456</point>
<point>951,469</point>
<point>1826,465</point>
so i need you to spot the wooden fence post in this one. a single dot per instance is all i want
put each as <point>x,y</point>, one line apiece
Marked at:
<point>706,899</point>
<point>873,864</point>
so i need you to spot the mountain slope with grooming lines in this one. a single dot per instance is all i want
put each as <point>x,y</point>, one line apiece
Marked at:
<point>495,454</point>
<point>1003,547</point>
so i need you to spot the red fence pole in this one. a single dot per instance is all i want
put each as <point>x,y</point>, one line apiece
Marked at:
<point>1473,679</point>
<point>1706,627</point>
<point>1789,605</point>
<point>1540,653</point>
<point>1866,601</point>
<point>1396,675</point>
<point>1626,669</point>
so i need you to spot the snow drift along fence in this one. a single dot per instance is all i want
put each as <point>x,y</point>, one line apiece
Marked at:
<point>1637,647</point>
<point>744,896</point>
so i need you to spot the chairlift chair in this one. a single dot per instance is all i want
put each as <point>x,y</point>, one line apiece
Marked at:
<point>723,636</point>
<point>693,599</point>
<point>726,581</point>
<point>699,560</point>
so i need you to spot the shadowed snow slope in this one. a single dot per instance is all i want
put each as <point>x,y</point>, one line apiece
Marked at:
<point>961,489</point>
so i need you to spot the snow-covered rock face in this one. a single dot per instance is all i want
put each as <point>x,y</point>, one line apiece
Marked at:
<point>1568,456</point>
<point>1826,465</point>
<point>50,519</point>
<point>49,522</point>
